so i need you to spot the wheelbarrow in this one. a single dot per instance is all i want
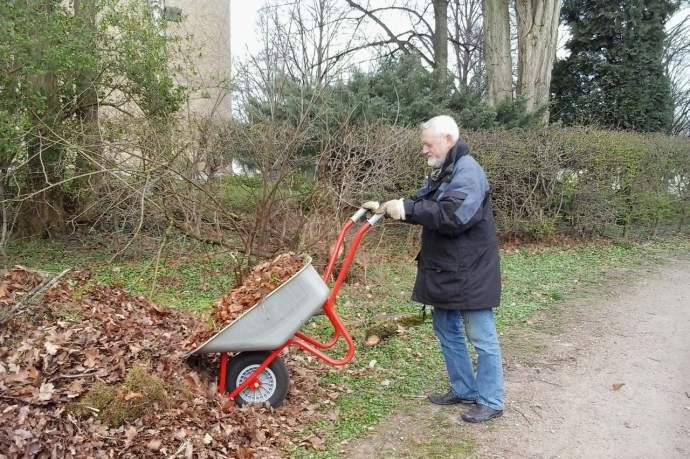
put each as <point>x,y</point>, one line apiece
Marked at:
<point>255,374</point>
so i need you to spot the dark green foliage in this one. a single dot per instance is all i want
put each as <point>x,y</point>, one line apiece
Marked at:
<point>125,51</point>
<point>400,91</point>
<point>614,77</point>
<point>513,114</point>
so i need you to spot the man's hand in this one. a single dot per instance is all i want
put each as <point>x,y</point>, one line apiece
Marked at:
<point>393,208</point>
<point>370,205</point>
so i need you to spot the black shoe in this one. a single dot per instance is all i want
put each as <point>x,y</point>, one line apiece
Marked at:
<point>449,398</point>
<point>481,413</point>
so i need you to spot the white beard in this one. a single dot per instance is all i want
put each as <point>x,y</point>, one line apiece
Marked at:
<point>434,162</point>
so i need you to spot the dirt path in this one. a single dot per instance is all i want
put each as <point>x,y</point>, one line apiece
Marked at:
<point>608,377</point>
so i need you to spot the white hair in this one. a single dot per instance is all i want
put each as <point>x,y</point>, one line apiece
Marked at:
<point>443,125</point>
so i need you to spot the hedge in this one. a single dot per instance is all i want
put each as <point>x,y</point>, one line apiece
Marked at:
<point>557,180</point>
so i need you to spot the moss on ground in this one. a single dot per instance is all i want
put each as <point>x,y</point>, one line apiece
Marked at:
<point>114,405</point>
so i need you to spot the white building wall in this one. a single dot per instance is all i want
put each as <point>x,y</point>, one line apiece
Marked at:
<point>206,60</point>
<point>207,23</point>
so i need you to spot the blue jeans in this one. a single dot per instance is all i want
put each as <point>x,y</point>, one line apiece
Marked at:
<point>486,385</point>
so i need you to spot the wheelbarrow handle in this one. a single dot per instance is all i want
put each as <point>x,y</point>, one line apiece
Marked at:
<point>358,215</point>
<point>375,219</point>
<point>362,212</point>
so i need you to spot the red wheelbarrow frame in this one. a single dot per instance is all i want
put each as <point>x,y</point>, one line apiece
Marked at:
<point>307,343</point>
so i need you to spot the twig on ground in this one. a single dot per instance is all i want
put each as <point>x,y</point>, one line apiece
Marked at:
<point>548,382</point>
<point>522,414</point>
<point>182,449</point>
<point>33,294</point>
<point>78,375</point>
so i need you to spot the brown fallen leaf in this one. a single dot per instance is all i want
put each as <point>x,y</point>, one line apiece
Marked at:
<point>372,340</point>
<point>33,373</point>
<point>192,380</point>
<point>50,348</point>
<point>92,355</point>
<point>154,445</point>
<point>260,435</point>
<point>228,404</point>
<point>33,449</point>
<point>133,396</point>
<point>617,386</point>
<point>317,443</point>
<point>45,393</point>
<point>75,389</point>
<point>130,435</point>
<point>245,453</point>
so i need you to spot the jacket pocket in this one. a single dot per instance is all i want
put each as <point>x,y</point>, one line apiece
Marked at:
<point>439,264</point>
<point>441,280</point>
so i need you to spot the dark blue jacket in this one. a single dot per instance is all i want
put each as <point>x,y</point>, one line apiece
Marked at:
<point>458,265</point>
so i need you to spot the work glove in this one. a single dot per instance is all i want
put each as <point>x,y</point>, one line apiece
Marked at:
<point>394,208</point>
<point>370,205</point>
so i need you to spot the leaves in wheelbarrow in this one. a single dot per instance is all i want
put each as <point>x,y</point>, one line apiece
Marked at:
<point>261,281</point>
<point>92,371</point>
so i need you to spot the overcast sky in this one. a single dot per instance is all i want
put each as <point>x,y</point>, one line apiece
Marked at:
<point>243,26</point>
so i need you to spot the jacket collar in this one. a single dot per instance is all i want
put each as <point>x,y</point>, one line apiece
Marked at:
<point>456,152</point>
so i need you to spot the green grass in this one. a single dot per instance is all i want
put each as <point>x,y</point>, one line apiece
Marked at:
<point>192,276</point>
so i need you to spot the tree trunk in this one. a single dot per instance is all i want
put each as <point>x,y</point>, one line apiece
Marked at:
<point>43,212</point>
<point>4,217</point>
<point>87,111</point>
<point>537,22</point>
<point>157,9</point>
<point>440,40</point>
<point>499,68</point>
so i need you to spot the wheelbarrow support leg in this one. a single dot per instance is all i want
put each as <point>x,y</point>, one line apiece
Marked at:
<point>222,373</point>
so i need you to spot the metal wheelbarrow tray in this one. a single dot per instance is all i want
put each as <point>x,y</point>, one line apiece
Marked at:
<point>271,322</point>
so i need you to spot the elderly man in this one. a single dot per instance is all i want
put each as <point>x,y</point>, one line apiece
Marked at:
<point>458,270</point>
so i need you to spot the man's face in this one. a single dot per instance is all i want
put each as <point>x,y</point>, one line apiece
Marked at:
<point>435,147</point>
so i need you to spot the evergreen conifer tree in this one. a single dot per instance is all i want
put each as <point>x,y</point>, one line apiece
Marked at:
<point>614,75</point>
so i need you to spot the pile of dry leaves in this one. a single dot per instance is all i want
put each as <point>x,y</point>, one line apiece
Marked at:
<point>16,287</point>
<point>89,370</point>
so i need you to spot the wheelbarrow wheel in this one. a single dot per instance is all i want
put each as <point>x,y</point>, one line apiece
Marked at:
<point>273,382</point>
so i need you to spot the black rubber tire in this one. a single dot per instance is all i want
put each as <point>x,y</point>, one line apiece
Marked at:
<point>246,359</point>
